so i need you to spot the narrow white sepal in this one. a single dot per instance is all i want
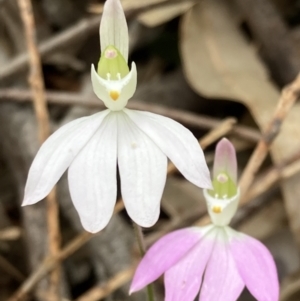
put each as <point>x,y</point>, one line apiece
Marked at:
<point>177,143</point>
<point>113,28</point>
<point>221,211</point>
<point>93,177</point>
<point>125,87</point>
<point>143,169</point>
<point>57,153</point>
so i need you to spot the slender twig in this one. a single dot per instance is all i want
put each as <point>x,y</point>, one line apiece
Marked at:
<point>36,77</point>
<point>222,130</point>
<point>286,169</point>
<point>185,117</point>
<point>290,290</point>
<point>139,238</point>
<point>49,263</point>
<point>288,97</point>
<point>11,270</point>
<point>81,29</point>
<point>11,233</point>
<point>39,100</point>
<point>101,291</point>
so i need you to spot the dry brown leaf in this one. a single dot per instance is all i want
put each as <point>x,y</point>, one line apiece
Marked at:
<point>163,14</point>
<point>127,5</point>
<point>134,4</point>
<point>155,16</point>
<point>220,63</point>
<point>265,222</point>
<point>181,198</point>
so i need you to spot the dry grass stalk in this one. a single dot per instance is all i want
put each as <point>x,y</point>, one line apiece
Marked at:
<point>288,97</point>
<point>40,105</point>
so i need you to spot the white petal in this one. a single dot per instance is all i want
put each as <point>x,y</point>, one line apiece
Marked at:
<point>57,153</point>
<point>177,142</point>
<point>92,177</point>
<point>125,87</point>
<point>143,168</point>
<point>113,28</point>
<point>221,211</point>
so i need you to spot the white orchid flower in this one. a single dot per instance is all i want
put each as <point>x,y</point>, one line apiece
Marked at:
<point>138,142</point>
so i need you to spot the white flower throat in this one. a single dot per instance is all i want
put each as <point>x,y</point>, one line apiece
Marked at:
<point>113,83</point>
<point>223,199</point>
<point>112,66</point>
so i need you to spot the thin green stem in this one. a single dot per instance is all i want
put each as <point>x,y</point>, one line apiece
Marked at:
<point>142,248</point>
<point>150,292</point>
<point>140,238</point>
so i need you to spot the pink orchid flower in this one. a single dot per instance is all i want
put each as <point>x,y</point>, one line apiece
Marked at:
<point>214,261</point>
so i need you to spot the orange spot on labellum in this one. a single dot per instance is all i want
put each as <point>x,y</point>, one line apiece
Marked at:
<point>114,95</point>
<point>217,209</point>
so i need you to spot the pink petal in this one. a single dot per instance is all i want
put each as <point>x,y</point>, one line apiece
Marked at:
<point>256,267</point>
<point>222,280</point>
<point>164,254</point>
<point>225,159</point>
<point>183,280</point>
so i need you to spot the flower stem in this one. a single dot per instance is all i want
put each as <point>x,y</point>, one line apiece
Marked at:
<point>142,248</point>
